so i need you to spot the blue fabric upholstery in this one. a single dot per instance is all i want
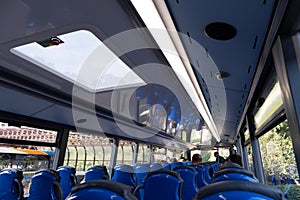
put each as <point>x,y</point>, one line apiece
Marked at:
<point>236,190</point>
<point>189,176</point>
<point>101,189</point>
<point>215,166</point>
<point>160,184</point>
<point>45,186</point>
<point>201,182</point>
<point>234,174</point>
<point>176,164</point>
<point>141,171</point>
<point>124,174</point>
<point>207,173</point>
<point>67,179</point>
<point>167,166</point>
<point>97,172</point>
<point>10,184</point>
<point>155,166</point>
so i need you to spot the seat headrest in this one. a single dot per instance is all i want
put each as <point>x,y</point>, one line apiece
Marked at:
<point>51,171</point>
<point>230,165</point>
<point>19,173</point>
<point>118,188</point>
<point>238,171</point>
<point>226,186</point>
<point>72,169</point>
<point>185,167</point>
<point>163,171</point>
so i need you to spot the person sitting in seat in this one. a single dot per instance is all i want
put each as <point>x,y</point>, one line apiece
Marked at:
<point>235,158</point>
<point>219,158</point>
<point>196,159</point>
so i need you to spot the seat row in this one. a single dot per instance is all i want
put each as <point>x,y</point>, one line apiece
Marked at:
<point>179,183</point>
<point>57,184</point>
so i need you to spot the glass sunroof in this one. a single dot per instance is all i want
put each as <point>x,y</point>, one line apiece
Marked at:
<point>80,57</point>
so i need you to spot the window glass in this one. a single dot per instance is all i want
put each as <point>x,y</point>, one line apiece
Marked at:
<point>90,157</point>
<point>141,154</point>
<point>159,154</point>
<point>27,133</point>
<point>278,155</point>
<point>247,135</point>
<point>81,159</point>
<point>84,150</point>
<point>75,56</point>
<point>270,105</point>
<point>250,158</point>
<point>99,155</point>
<point>26,158</point>
<point>128,154</point>
<point>183,135</point>
<point>107,150</point>
<point>170,154</point>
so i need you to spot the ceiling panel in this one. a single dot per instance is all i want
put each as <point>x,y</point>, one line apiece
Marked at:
<point>237,56</point>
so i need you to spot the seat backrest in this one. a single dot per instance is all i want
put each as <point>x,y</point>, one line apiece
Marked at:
<point>227,165</point>
<point>160,184</point>
<point>124,174</point>
<point>101,189</point>
<point>67,179</point>
<point>201,182</point>
<point>189,176</point>
<point>236,190</point>
<point>176,164</point>
<point>141,171</point>
<point>11,187</point>
<point>155,166</point>
<point>215,166</point>
<point>208,172</point>
<point>167,166</point>
<point>234,174</point>
<point>97,172</point>
<point>45,186</point>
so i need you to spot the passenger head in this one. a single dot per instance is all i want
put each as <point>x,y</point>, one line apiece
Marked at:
<point>235,158</point>
<point>216,154</point>
<point>196,159</point>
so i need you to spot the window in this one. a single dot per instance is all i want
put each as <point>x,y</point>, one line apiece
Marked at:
<point>278,155</point>
<point>28,159</point>
<point>75,54</point>
<point>272,103</point>
<point>27,133</point>
<point>85,150</point>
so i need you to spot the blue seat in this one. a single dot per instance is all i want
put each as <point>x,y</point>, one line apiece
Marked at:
<point>233,171</point>
<point>189,176</point>
<point>236,190</point>
<point>101,189</point>
<point>176,164</point>
<point>45,186</point>
<point>167,166</point>
<point>124,174</point>
<point>11,187</point>
<point>155,166</point>
<point>97,172</point>
<point>189,163</point>
<point>141,171</point>
<point>208,173</point>
<point>201,182</point>
<point>67,179</point>
<point>215,166</point>
<point>160,184</point>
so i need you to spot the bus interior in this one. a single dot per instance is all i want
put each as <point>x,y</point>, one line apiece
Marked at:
<point>114,82</point>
